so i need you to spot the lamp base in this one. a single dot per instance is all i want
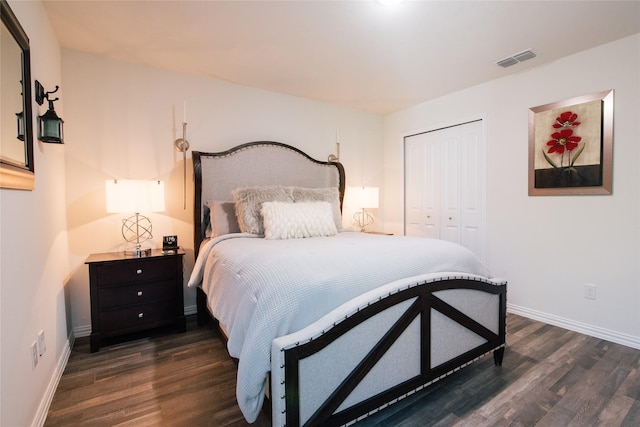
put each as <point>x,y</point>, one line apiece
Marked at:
<point>363,219</point>
<point>136,229</point>
<point>138,252</point>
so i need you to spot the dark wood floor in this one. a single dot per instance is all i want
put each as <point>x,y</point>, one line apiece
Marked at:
<point>549,377</point>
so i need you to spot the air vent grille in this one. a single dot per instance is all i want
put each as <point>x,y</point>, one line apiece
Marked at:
<point>514,59</point>
<point>507,62</point>
<point>523,56</point>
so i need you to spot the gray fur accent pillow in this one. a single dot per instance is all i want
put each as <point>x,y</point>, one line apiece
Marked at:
<point>248,202</point>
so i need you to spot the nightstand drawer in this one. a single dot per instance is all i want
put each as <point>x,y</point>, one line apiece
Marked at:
<point>142,293</point>
<point>135,271</point>
<point>139,315</point>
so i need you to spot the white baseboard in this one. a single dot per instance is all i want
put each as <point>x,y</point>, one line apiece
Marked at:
<point>82,331</point>
<point>45,403</point>
<point>572,325</point>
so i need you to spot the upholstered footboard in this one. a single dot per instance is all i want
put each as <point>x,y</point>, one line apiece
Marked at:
<point>384,345</point>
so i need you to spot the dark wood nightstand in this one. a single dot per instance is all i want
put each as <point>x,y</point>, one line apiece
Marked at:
<point>134,294</point>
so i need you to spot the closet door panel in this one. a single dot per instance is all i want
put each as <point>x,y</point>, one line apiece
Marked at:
<point>414,178</point>
<point>472,190</point>
<point>431,217</point>
<point>449,142</point>
<point>445,185</point>
<point>422,180</point>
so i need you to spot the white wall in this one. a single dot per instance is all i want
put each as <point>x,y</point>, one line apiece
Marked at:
<point>122,119</point>
<point>34,251</point>
<point>550,247</point>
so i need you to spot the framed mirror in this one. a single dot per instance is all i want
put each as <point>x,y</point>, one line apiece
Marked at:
<point>16,129</point>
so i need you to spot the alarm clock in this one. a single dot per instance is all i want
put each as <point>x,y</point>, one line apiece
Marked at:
<point>169,244</point>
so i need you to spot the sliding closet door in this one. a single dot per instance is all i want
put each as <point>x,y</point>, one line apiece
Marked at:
<point>445,183</point>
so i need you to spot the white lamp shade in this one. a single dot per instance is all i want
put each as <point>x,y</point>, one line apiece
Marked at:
<point>134,196</point>
<point>362,197</point>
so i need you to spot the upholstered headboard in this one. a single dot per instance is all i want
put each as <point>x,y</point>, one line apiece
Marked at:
<point>256,164</point>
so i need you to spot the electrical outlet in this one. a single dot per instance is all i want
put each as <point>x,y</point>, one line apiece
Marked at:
<point>34,354</point>
<point>42,345</point>
<point>590,291</point>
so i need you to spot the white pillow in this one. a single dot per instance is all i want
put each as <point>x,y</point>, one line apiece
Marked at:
<point>284,220</point>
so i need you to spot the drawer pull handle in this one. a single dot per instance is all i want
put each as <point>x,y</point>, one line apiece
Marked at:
<point>139,271</point>
<point>139,293</point>
<point>140,315</point>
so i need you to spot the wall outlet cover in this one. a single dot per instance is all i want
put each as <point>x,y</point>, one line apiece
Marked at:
<point>590,291</point>
<point>42,345</point>
<point>34,354</point>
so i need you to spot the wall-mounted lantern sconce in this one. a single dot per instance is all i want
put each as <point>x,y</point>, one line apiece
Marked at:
<point>20,118</point>
<point>49,124</point>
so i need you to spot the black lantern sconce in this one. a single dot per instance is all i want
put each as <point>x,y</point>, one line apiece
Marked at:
<point>20,119</point>
<point>49,124</point>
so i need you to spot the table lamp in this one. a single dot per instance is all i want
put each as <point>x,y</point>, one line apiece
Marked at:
<point>134,197</point>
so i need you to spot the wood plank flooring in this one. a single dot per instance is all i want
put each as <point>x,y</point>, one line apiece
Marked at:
<point>549,377</point>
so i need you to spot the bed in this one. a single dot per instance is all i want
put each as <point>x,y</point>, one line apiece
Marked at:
<point>329,325</point>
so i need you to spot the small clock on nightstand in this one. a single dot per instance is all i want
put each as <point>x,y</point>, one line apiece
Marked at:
<point>169,244</point>
<point>134,294</point>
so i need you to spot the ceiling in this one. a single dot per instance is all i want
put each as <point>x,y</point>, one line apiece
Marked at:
<point>359,54</point>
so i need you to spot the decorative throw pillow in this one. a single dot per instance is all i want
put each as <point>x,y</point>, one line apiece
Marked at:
<point>248,202</point>
<point>330,194</point>
<point>297,220</point>
<point>222,218</point>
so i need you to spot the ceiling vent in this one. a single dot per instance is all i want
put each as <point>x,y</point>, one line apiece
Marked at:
<point>518,57</point>
<point>507,62</point>
<point>523,56</point>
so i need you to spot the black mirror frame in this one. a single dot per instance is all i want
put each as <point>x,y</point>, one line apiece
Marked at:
<point>11,175</point>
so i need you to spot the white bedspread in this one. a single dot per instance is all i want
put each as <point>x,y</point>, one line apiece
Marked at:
<point>262,289</point>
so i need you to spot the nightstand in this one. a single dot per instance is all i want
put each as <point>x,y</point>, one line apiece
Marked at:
<point>134,294</point>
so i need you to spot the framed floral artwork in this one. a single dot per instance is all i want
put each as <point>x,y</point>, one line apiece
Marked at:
<point>571,146</point>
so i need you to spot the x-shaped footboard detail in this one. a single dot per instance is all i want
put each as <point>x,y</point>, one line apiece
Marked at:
<point>424,303</point>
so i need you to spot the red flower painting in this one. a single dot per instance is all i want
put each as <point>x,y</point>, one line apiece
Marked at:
<point>564,141</point>
<point>570,146</point>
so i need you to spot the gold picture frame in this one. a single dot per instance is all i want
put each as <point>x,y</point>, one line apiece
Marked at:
<point>16,141</point>
<point>571,146</point>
